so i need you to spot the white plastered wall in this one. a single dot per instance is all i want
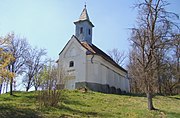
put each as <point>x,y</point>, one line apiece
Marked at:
<point>76,53</point>
<point>101,71</point>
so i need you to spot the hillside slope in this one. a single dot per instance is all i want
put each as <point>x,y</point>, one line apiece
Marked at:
<point>90,104</point>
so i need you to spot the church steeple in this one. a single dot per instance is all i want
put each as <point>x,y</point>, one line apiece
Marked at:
<point>84,27</point>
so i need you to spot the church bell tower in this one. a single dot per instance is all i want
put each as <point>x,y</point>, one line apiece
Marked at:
<point>84,27</point>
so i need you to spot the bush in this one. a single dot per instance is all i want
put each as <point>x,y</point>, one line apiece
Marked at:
<point>49,98</point>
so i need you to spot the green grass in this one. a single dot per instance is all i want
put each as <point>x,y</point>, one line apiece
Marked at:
<point>90,104</point>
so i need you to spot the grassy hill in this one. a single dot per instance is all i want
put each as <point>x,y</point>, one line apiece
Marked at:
<point>90,104</point>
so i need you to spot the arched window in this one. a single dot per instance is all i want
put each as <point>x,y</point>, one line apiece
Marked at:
<point>81,30</point>
<point>71,63</point>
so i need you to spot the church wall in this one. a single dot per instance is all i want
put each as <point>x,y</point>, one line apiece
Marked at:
<point>73,52</point>
<point>102,72</point>
<point>92,71</point>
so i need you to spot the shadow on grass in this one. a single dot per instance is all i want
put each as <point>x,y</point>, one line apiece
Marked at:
<point>9,98</point>
<point>9,111</point>
<point>74,107</point>
<point>134,94</point>
<point>75,102</point>
<point>144,95</point>
<point>81,112</point>
<point>67,100</point>
<point>177,98</point>
<point>18,94</point>
<point>171,114</point>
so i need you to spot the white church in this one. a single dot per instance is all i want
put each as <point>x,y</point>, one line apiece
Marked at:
<point>86,65</point>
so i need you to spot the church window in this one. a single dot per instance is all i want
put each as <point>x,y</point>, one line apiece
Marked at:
<point>89,32</point>
<point>71,63</point>
<point>81,30</point>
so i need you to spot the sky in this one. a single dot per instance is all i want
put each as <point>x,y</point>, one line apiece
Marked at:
<point>49,23</point>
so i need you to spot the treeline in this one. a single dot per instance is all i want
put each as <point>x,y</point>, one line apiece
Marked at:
<point>166,78</point>
<point>19,59</point>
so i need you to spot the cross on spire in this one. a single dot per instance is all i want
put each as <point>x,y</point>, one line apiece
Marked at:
<point>85,4</point>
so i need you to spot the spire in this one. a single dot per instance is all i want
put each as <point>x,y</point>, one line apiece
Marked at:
<point>84,14</point>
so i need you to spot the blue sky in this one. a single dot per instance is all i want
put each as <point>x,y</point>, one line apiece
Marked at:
<point>49,23</point>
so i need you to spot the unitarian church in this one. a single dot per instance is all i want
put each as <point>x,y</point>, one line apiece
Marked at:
<point>88,66</point>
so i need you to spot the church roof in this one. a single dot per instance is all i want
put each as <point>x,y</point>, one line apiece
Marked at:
<point>84,17</point>
<point>96,51</point>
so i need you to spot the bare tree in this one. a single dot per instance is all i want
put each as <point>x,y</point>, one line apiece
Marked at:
<point>176,56</point>
<point>172,71</point>
<point>38,79</point>
<point>154,26</point>
<point>34,63</point>
<point>133,71</point>
<point>18,47</point>
<point>117,56</point>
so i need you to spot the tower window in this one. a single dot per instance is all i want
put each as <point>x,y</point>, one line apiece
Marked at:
<point>81,30</point>
<point>71,63</point>
<point>89,32</point>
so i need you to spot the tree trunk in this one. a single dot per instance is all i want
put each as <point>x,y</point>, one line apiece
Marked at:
<point>1,87</point>
<point>28,84</point>
<point>159,84</point>
<point>150,102</point>
<point>35,88</point>
<point>27,88</point>
<point>4,85</point>
<point>7,85</point>
<point>11,80</point>
<point>11,86</point>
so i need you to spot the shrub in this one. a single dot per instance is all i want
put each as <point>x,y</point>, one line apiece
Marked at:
<point>49,98</point>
